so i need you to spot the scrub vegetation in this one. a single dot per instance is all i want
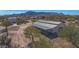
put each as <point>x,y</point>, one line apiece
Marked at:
<point>70,32</point>
<point>38,40</point>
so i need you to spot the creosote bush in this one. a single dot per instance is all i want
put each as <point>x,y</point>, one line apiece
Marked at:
<point>71,34</point>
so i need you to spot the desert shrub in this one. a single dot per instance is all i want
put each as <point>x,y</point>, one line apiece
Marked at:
<point>71,34</point>
<point>20,21</point>
<point>42,43</point>
<point>34,33</point>
<point>5,42</point>
<point>34,20</point>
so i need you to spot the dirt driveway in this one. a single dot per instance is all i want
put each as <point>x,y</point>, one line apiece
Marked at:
<point>18,39</point>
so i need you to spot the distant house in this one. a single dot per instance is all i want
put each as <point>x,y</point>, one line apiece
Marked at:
<point>48,26</point>
<point>12,20</point>
<point>2,31</point>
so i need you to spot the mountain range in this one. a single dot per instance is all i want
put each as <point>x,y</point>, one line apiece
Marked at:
<point>32,13</point>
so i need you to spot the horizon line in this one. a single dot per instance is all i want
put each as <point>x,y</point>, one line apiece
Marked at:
<point>65,12</point>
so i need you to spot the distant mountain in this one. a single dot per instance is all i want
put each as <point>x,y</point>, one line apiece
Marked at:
<point>31,13</point>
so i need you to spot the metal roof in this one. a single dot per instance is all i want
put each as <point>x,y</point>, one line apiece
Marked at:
<point>49,22</point>
<point>46,24</point>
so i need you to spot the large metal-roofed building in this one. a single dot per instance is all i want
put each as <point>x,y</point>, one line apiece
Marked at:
<point>49,26</point>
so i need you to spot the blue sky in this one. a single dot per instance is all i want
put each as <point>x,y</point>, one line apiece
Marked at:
<point>69,12</point>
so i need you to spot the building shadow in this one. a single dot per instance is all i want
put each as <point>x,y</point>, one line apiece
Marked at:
<point>50,35</point>
<point>30,45</point>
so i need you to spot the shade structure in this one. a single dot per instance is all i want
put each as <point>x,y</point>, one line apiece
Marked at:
<point>51,26</point>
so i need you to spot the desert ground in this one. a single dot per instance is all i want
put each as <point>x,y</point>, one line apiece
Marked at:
<point>18,38</point>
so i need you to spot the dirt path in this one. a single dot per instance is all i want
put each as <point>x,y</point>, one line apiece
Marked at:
<point>18,38</point>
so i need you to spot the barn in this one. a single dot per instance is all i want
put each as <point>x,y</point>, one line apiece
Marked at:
<point>2,31</point>
<point>48,26</point>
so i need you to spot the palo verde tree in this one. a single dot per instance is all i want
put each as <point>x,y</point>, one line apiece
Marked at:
<point>6,23</point>
<point>20,20</point>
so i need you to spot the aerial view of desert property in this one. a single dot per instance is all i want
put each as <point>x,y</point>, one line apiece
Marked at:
<point>39,28</point>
